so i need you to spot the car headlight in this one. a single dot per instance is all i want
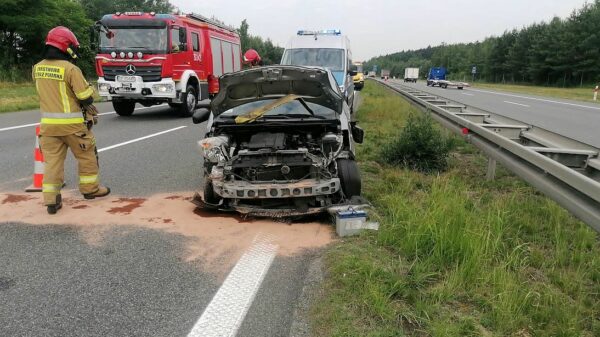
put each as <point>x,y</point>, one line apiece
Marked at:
<point>213,148</point>
<point>163,87</point>
<point>103,87</point>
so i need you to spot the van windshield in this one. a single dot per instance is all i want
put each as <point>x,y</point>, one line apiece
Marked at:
<point>332,59</point>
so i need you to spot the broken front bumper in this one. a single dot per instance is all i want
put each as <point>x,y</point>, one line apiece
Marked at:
<point>305,188</point>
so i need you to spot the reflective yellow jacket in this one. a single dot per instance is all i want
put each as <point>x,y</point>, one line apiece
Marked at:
<point>61,88</point>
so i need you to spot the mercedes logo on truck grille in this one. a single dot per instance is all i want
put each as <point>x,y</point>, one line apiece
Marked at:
<point>130,69</point>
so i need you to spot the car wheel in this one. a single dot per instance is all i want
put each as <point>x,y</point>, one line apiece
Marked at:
<point>210,197</point>
<point>189,102</point>
<point>124,108</point>
<point>349,175</point>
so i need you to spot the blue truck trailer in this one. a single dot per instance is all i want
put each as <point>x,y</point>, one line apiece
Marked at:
<point>437,77</point>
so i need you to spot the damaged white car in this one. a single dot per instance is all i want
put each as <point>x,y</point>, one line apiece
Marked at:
<point>279,142</point>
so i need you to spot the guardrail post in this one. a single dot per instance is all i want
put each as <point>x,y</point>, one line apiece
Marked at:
<point>491,169</point>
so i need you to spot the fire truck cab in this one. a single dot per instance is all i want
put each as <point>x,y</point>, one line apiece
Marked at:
<point>150,58</point>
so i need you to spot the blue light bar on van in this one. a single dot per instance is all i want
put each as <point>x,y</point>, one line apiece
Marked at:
<point>320,32</point>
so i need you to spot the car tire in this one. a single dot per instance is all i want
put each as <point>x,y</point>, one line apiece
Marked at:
<point>124,108</point>
<point>189,99</point>
<point>210,197</point>
<point>349,175</point>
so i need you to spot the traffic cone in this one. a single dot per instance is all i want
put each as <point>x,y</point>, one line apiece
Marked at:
<point>38,167</point>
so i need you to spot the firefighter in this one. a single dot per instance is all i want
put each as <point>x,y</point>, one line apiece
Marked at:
<point>67,117</point>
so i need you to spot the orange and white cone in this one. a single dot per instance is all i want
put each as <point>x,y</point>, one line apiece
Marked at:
<point>38,167</point>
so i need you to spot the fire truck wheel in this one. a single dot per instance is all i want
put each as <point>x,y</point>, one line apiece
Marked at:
<point>189,102</point>
<point>124,108</point>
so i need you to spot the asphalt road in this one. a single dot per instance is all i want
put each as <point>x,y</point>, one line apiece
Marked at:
<point>135,276</point>
<point>574,119</point>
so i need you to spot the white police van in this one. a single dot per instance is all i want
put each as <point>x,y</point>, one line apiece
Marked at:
<point>326,48</point>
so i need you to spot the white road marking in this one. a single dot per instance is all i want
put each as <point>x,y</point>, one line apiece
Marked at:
<point>538,99</point>
<point>141,138</point>
<point>466,94</point>
<point>100,114</point>
<point>18,127</point>
<point>226,311</point>
<point>519,104</point>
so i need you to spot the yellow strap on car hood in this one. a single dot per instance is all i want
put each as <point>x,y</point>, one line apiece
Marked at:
<point>255,114</point>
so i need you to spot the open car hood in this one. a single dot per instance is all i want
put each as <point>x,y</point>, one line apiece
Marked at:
<point>273,82</point>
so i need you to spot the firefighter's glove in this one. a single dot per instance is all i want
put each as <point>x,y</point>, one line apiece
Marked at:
<point>90,110</point>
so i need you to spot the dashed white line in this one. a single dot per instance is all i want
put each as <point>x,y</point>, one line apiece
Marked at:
<point>538,99</point>
<point>140,139</point>
<point>467,94</point>
<point>519,104</point>
<point>226,311</point>
<point>100,114</point>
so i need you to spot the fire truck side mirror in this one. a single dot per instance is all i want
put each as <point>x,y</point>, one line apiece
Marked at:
<point>200,116</point>
<point>182,39</point>
<point>92,32</point>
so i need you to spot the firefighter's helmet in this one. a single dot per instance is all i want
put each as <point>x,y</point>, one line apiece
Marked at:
<point>63,38</point>
<point>251,56</point>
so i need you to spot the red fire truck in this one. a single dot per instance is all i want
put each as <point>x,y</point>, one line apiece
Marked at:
<point>150,58</point>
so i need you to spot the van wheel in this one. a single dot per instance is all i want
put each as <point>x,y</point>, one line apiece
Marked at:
<point>349,175</point>
<point>189,102</point>
<point>124,108</point>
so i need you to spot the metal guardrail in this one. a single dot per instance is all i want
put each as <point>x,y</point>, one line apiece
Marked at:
<point>564,169</point>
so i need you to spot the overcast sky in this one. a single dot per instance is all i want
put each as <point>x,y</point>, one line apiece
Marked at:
<point>377,27</point>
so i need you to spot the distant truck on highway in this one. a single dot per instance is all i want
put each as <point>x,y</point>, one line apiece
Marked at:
<point>385,73</point>
<point>411,75</point>
<point>437,77</point>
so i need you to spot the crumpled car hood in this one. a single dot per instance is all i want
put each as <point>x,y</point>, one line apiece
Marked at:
<point>312,84</point>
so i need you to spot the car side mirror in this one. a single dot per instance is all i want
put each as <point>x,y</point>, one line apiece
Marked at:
<point>358,134</point>
<point>200,116</point>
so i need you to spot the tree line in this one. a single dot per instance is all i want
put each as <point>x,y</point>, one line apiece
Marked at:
<point>562,52</point>
<point>25,23</point>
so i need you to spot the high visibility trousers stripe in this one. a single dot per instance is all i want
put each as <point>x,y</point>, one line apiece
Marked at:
<point>51,188</point>
<point>88,179</point>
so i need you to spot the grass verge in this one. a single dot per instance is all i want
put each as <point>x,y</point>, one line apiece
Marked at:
<point>22,96</point>
<point>579,94</point>
<point>16,97</point>
<point>456,255</point>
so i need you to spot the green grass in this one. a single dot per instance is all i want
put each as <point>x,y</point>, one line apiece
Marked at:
<point>580,94</point>
<point>456,255</point>
<point>22,96</point>
<point>15,97</point>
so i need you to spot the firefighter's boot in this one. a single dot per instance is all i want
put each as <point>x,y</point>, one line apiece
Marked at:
<point>101,192</point>
<point>52,209</point>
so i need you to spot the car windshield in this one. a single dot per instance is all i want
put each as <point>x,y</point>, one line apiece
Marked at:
<point>144,39</point>
<point>332,59</point>
<point>294,109</point>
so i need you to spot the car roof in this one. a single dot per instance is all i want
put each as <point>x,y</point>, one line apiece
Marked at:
<point>321,41</point>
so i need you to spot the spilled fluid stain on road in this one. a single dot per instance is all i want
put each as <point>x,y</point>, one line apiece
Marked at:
<point>217,239</point>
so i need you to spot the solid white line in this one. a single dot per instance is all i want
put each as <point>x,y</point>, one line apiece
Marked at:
<point>509,102</point>
<point>18,127</point>
<point>141,138</point>
<point>100,114</point>
<point>226,311</point>
<point>537,99</point>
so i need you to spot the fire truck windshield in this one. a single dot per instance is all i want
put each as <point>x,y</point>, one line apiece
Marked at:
<point>147,40</point>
